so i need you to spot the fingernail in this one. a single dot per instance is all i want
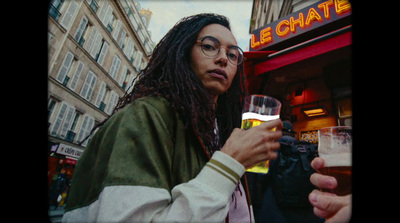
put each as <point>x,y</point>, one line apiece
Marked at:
<point>313,197</point>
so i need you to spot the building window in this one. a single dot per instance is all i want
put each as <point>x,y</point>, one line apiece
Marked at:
<point>93,5</point>
<point>86,127</point>
<point>66,65</point>
<point>112,102</point>
<point>71,130</point>
<point>50,108</point>
<point>121,41</point>
<point>69,14</point>
<point>70,64</point>
<point>80,32</point>
<point>115,67</point>
<point>125,77</point>
<point>102,53</point>
<point>63,120</point>
<point>101,96</point>
<point>55,8</point>
<point>87,89</point>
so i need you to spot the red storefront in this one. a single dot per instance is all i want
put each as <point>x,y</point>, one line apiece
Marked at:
<point>304,60</point>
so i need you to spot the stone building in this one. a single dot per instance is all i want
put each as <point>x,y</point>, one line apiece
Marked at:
<point>96,49</point>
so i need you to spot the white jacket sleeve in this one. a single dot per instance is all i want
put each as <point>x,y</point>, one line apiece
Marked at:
<point>203,199</point>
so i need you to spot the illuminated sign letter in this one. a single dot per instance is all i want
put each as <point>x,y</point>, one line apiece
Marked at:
<point>299,21</point>
<point>342,6</point>
<point>254,43</point>
<point>325,8</point>
<point>265,36</point>
<point>312,15</point>
<point>285,31</point>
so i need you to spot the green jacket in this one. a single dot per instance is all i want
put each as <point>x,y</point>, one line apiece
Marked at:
<point>145,149</point>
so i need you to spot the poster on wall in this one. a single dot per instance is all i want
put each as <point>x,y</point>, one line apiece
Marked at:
<point>310,136</point>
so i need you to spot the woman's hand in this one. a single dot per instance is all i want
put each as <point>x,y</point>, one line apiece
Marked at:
<point>254,145</point>
<point>328,205</point>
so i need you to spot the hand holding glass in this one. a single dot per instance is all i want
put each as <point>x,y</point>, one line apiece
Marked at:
<point>258,109</point>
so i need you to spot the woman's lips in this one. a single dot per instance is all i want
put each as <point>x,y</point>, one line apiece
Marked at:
<point>218,73</point>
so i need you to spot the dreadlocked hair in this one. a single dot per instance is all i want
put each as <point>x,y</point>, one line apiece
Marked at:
<point>169,74</point>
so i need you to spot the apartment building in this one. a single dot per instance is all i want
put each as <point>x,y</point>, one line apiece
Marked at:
<point>267,11</point>
<point>96,48</point>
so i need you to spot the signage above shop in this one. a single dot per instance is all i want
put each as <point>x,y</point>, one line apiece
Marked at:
<point>69,150</point>
<point>300,23</point>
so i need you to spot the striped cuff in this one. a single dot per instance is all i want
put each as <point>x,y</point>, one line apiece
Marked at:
<point>222,173</point>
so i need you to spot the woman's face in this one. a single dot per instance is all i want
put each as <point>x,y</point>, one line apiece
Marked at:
<point>215,72</point>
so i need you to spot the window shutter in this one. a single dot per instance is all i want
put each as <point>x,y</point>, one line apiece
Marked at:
<point>107,16</point>
<point>67,121</point>
<point>87,88</point>
<point>65,67</point>
<point>86,127</point>
<point>59,119</point>
<point>112,102</point>
<point>102,53</point>
<point>91,87</point>
<point>137,60</point>
<point>116,31</point>
<point>69,14</point>
<point>103,10</point>
<point>76,76</point>
<point>122,38</point>
<point>80,29</point>
<point>115,66</point>
<point>123,76</point>
<point>96,45</point>
<point>90,41</point>
<point>129,48</point>
<point>100,96</point>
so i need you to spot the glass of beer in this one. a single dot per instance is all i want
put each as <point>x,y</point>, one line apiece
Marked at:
<point>335,147</point>
<point>258,109</point>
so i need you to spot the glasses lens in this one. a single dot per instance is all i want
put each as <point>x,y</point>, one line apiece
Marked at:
<point>235,55</point>
<point>210,47</point>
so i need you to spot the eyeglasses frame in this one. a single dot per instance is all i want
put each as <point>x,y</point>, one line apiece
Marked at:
<point>241,54</point>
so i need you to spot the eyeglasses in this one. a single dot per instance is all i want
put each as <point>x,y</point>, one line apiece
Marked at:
<point>211,47</point>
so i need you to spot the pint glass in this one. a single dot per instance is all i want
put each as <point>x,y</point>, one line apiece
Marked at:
<point>258,109</point>
<point>335,147</point>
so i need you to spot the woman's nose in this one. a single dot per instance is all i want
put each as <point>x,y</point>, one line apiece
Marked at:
<point>222,57</point>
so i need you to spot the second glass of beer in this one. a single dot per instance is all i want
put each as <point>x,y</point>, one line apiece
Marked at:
<point>335,147</point>
<point>258,109</point>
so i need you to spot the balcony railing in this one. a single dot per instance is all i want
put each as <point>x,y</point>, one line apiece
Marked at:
<point>94,6</point>
<point>53,11</point>
<point>109,28</point>
<point>70,136</point>
<point>66,79</point>
<point>81,41</point>
<point>102,106</point>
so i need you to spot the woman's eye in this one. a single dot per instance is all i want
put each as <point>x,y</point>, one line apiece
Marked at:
<point>208,47</point>
<point>232,56</point>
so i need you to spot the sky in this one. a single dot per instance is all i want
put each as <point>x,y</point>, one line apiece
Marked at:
<point>168,12</point>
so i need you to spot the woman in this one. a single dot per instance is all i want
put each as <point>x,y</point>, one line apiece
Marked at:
<point>159,158</point>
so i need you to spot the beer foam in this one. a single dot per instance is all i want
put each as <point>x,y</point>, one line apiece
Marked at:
<point>264,118</point>
<point>339,159</point>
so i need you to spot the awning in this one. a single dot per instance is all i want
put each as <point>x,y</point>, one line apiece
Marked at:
<point>259,62</point>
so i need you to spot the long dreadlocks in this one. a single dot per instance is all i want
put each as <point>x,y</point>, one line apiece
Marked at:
<point>169,75</point>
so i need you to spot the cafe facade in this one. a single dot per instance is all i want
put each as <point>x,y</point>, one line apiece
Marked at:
<point>304,60</point>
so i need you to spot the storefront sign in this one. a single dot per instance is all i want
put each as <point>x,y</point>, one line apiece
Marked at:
<point>69,150</point>
<point>70,160</point>
<point>300,22</point>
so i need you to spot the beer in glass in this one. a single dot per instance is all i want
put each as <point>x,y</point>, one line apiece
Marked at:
<point>258,109</point>
<point>335,147</point>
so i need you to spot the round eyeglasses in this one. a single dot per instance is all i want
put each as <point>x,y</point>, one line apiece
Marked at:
<point>211,47</point>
